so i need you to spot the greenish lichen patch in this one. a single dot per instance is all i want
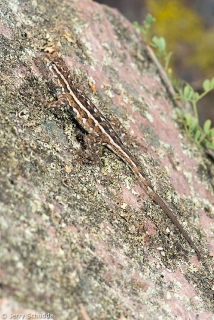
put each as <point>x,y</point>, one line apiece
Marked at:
<point>150,136</point>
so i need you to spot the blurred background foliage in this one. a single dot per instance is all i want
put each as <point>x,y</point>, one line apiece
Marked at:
<point>188,28</point>
<point>186,35</point>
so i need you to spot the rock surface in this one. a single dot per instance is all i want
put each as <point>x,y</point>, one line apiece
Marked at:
<point>81,240</point>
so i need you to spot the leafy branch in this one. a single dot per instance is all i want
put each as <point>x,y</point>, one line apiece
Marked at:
<point>158,43</point>
<point>201,136</point>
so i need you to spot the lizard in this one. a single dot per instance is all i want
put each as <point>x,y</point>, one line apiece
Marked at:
<point>93,121</point>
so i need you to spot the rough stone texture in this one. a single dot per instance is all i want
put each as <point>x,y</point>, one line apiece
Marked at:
<point>82,240</point>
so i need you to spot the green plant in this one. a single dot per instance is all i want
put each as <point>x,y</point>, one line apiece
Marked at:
<point>158,43</point>
<point>200,135</point>
<point>147,23</point>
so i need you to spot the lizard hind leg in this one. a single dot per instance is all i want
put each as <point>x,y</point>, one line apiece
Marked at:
<point>60,102</point>
<point>91,148</point>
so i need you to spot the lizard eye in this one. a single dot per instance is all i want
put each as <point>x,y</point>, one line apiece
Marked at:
<point>50,64</point>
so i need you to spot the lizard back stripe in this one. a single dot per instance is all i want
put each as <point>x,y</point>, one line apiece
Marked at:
<point>93,121</point>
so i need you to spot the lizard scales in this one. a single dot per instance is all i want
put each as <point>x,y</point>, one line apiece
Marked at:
<point>94,122</point>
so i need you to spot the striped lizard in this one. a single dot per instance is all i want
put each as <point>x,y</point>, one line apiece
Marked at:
<point>96,124</point>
